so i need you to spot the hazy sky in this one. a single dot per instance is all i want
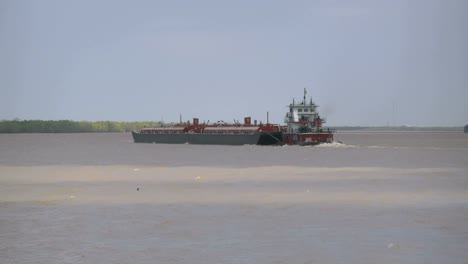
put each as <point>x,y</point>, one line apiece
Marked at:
<point>223,60</point>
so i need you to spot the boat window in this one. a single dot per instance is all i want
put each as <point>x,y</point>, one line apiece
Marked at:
<point>299,110</point>
<point>306,110</point>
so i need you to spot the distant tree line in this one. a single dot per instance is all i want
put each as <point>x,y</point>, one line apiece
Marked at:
<point>396,128</point>
<point>68,126</point>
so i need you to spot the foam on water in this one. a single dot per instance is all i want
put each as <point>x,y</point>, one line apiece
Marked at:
<point>334,144</point>
<point>376,147</point>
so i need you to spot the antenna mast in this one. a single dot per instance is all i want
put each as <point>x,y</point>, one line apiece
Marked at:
<point>305,93</point>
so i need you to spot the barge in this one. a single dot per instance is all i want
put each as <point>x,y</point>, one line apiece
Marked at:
<point>303,127</point>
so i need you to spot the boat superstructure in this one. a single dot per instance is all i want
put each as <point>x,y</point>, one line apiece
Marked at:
<point>304,124</point>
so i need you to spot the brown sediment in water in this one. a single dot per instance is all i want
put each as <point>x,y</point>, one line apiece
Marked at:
<point>360,186</point>
<point>283,214</point>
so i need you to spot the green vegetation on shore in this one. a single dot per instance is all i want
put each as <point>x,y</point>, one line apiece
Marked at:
<point>68,126</point>
<point>395,128</point>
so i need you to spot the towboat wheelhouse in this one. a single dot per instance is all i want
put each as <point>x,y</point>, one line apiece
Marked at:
<point>304,124</point>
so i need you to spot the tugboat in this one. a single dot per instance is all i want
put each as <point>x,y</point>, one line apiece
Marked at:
<point>304,124</point>
<point>303,127</point>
